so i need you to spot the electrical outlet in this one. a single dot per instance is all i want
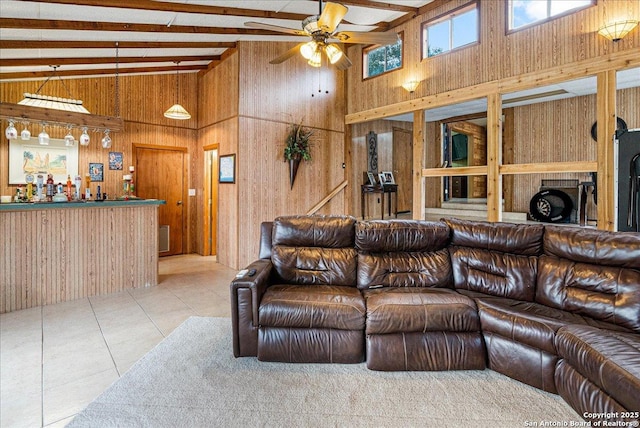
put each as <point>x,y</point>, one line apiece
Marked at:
<point>192,192</point>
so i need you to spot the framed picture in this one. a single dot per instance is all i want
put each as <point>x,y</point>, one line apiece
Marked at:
<point>29,157</point>
<point>115,160</point>
<point>381,178</point>
<point>388,177</point>
<point>96,171</point>
<point>227,171</point>
<point>372,178</point>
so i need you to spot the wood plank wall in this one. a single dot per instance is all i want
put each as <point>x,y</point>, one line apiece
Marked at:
<point>384,130</point>
<point>143,100</point>
<point>54,255</point>
<point>246,107</point>
<point>561,41</point>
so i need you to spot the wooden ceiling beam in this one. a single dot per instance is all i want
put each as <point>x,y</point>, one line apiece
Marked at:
<point>97,72</point>
<point>53,24</point>
<point>181,8</point>
<point>21,62</point>
<point>69,44</point>
<point>420,11</point>
<point>379,5</point>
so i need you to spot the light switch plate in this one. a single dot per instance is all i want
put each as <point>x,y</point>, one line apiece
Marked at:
<point>192,192</point>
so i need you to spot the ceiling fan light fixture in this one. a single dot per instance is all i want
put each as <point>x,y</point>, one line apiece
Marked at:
<point>316,59</point>
<point>334,53</point>
<point>308,49</point>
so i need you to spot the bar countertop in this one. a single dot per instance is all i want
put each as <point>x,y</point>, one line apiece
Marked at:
<point>109,203</point>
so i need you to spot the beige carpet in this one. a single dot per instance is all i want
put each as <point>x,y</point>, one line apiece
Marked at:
<point>191,379</point>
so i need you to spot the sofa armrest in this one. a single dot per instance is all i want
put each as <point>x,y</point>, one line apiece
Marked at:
<point>258,283</point>
<point>246,293</point>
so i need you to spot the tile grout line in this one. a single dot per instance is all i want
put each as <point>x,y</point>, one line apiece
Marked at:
<point>145,312</point>
<point>104,339</point>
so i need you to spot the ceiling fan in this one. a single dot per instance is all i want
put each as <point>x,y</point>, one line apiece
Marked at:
<point>324,37</point>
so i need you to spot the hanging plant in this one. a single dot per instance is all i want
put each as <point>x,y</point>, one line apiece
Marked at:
<point>297,148</point>
<point>298,144</point>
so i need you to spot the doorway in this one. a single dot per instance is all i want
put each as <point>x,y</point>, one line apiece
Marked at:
<point>402,166</point>
<point>465,144</point>
<point>160,174</point>
<point>210,199</point>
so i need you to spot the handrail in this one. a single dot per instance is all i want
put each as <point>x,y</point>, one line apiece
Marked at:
<point>327,198</point>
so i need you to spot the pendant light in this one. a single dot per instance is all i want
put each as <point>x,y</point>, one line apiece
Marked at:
<point>176,111</point>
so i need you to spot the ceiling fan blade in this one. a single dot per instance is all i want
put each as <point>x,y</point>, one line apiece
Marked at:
<point>277,28</point>
<point>331,16</point>
<point>385,38</point>
<point>343,63</point>
<point>288,54</point>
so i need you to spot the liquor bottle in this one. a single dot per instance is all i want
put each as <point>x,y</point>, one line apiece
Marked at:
<point>68,187</point>
<point>50,186</point>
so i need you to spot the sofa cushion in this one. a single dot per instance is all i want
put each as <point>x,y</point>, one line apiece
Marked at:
<point>499,259</point>
<point>383,236</point>
<point>610,294</point>
<point>593,246</point>
<point>314,250</point>
<point>494,273</point>
<point>408,310</point>
<point>610,360</point>
<point>302,265</point>
<point>314,231</point>
<point>522,239</point>
<point>402,253</point>
<point>529,323</point>
<point>416,269</point>
<point>309,306</point>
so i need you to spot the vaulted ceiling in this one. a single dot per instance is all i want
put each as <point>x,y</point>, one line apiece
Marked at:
<point>79,37</point>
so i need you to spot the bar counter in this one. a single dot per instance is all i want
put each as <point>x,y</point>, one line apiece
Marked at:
<point>58,251</point>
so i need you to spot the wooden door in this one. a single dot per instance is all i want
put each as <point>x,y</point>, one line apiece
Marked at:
<point>402,167</point>
<point>160,175</point>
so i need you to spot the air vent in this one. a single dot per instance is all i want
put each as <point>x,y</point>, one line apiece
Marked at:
<point>164,238</point>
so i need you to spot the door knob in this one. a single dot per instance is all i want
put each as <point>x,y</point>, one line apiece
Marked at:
<point>179,203</point>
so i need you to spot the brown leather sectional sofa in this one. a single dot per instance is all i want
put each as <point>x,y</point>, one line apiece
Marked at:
<point>555,307</point>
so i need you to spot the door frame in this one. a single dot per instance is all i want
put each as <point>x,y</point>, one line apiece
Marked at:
<point>185,184</point>
<point>210,211</point>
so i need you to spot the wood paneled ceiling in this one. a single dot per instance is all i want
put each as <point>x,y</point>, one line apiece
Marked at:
<point>79,36</point>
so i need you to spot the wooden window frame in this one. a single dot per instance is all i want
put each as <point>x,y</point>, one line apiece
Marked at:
<point>447,16</point>
<point>507,15</point>
<point>369,48</point>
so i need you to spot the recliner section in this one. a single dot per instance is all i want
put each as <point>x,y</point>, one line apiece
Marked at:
<point>557,308</point>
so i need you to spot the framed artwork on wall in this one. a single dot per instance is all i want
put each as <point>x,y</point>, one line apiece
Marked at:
<point>96,171</point>
<point>227,170</point>
<point>30,157</point>
<point>115,160</point>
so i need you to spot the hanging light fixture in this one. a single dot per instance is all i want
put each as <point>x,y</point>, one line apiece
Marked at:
<point>176,111</point>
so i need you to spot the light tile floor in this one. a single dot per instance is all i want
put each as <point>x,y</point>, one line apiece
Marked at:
<point>54,360</point>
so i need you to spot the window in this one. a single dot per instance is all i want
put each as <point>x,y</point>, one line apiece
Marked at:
<point>452,31</point>
<point>381,59</point>
<point>523,13</point>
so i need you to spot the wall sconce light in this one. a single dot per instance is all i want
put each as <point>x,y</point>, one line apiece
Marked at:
<point>410,86</point>
<point>615,31</point>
